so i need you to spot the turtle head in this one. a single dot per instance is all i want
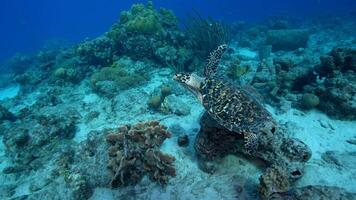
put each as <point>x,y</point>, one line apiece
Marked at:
<point>192,82</point>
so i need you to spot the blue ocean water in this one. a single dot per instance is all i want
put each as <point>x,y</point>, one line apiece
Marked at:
<point>200,99</point>
<point>27,25</point>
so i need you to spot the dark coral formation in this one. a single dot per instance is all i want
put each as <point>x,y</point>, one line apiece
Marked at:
<point>284,157</point>
<point>275,179</point>
<point>134,152</point>
<point>339,59</point>
<point>213,142</point>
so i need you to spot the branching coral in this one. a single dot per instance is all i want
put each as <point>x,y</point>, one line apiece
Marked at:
<point>134,152</point>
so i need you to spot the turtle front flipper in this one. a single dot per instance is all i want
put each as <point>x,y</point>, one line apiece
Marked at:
<point>214,60</point>
<point>251,143</point>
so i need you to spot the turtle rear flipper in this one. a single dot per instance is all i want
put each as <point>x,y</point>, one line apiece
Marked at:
<point>251,143</point>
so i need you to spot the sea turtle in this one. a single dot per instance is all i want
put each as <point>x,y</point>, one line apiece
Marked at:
<point>233,107</point>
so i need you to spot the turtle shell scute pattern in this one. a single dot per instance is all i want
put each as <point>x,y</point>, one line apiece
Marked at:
<point>233,108</point>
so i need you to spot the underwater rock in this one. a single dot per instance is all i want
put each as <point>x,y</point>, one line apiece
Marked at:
<point>287,39</point>
<point>109,80</point>
<point>162,101</point>
<point>283,63</point>
<point>91,116</point>
<point>5,114</point>
<point>155,102</point>
<point>284,157</point>
<point>166,90</point>
<point>176,106</point>
<point>275,179</point>
<point>27,140</point>
<point>14,169</point>
<point>183,140</point>
<point>134,152</point>
<point>309,101</point>
<point>314,192</point>
<point>7,191</point>
<point>213,142</point>
<point>84,167</point>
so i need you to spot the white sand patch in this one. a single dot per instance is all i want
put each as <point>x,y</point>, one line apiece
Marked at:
<point>323,134</point>
<point>91,98</point>
<point>246,54</point>
<point>9,92</point>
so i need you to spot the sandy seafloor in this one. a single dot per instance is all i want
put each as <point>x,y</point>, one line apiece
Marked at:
<point>316,129</point>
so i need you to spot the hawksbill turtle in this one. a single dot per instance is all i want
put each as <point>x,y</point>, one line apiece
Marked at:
<point>232,107</point>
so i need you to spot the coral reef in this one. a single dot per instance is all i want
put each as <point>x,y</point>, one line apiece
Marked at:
<point>337,89</point>
<point>135,152</point>
<point>144,32</point>
<point>338,59</point>
<point>59,132</point>
<point>98,52</point>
